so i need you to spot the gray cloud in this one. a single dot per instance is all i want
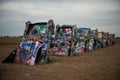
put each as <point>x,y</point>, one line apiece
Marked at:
<point>101,14</point>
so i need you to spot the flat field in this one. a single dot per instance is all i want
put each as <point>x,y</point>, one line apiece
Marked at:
<point>10,40</point>
<point>100,64</point>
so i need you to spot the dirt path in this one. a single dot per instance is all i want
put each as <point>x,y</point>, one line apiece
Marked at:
<point>100,64</point>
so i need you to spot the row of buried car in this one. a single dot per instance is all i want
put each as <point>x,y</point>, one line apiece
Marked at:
<point>40,40</point>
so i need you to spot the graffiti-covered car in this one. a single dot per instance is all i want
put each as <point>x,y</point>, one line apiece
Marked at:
<point>65,34</point>
<point>61,48</point>
<point>82,39</point>
<point>34,45</point>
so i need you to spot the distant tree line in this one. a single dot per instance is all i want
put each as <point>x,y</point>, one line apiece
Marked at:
<point>117,37</point>
<point>11,36</point>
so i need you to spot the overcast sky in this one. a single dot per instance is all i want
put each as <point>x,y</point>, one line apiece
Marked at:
<point>101,14</point>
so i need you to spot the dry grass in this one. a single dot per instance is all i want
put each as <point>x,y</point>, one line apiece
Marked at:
<point>100,64</point>
<point>10,41</point>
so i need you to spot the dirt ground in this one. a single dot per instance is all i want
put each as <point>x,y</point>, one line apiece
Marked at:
<point>100,64</point>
